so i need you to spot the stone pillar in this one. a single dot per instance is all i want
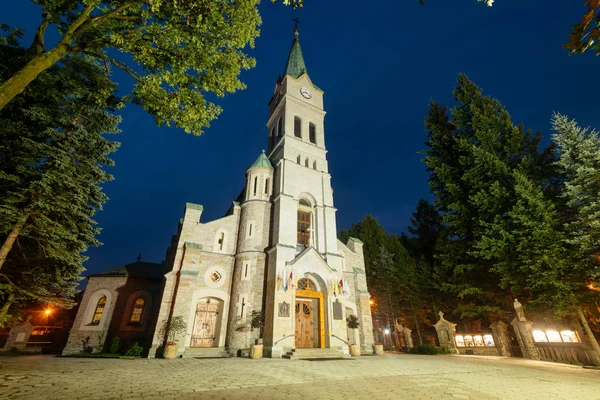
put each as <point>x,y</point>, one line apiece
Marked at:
<point>445,332</point>
<point>499,329</point>
<point>408,338</point>
<point>525,338</point>
<point>19,335</point>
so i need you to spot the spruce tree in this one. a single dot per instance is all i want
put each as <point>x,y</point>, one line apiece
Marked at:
<point>471,155</point>
<point>52,155</point>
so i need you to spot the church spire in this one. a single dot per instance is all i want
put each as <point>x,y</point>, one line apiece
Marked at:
<point>295,63</point>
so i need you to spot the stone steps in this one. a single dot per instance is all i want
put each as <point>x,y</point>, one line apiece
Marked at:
<point>303,354</point>
<point>205,352</point>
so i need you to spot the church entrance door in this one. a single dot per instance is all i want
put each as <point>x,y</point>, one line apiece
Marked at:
<point>304,314</point>
<point>203,334</point>
<point>309,316</point>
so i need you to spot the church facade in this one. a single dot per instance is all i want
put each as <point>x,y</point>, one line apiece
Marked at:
<point>273,258</point>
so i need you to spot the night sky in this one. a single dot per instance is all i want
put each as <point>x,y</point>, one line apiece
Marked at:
<point>379,64</point>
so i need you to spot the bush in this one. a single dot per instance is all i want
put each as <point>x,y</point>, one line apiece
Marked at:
<point>135,351</point>
<point>114,345</point>
<point>430,350</point>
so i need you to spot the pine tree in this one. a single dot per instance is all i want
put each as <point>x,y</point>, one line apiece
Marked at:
<point>52,154</point>
<point>471,156</point>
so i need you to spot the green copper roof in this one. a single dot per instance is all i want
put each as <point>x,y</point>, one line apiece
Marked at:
<point>295,63</point>
<point>262,161</point>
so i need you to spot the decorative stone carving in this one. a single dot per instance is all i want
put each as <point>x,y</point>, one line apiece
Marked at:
<point>408,337</point>
<point>284,309</point>
<point>519,309</point>
<point>499,330</point>
<point>445,332</point>
<point>337,310</point>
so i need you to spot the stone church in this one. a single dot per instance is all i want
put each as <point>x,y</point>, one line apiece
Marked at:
<point>275,252</point>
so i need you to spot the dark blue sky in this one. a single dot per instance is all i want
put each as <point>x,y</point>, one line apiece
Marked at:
<point>379,63</point>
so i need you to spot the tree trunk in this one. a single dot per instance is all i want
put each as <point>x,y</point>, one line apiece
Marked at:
<point>11,238</point>
<point>416,322</point>
<point>38,64</point>
<point>588,331</point>
<point>6,306</point>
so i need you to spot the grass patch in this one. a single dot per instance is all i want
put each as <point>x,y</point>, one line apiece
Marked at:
<point>16,352</point>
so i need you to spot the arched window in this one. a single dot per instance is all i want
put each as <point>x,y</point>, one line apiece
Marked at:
<point>138,310</point>
<point>314,165</point>
<point>297,127</point>
<point>306,162</point>
<point>304,222</point>
<point>306,284</point>
<point>255,184</point>
<point>280,127</point>
<point>298,159</point>
<point>312,133</point>
<point>99,311</point>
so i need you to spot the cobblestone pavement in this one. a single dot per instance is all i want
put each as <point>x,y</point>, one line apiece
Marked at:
<point>392,376</point>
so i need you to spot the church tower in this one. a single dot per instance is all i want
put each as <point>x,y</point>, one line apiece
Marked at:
<point>304,307</point>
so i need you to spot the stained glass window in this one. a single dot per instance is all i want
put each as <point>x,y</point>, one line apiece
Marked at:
<point>99,311</point>
<point>136,313</point>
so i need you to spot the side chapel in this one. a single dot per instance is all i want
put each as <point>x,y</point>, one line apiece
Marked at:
<point>274,252</point>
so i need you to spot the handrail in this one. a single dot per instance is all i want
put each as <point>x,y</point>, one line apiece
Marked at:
<point>285,337</point>
<point>337,337</point>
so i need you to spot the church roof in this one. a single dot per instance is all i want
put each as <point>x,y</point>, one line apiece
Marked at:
<point>137,269</point>
<point>262,161</point>
<point>295,63</point>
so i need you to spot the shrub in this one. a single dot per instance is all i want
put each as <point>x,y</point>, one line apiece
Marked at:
<point>424,349</point>
<point>444,350</point>
<point>352,322</point>
<point>114,345</point>
<point>135,351</point>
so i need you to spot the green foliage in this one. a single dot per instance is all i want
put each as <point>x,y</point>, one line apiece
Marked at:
<point>430,350</point>
<point>135,351</point>
<point>475,156</point>
<point>352,321</point>
<point>172,328</point>
<point>52,154</point>
<point>257,319</point>
<point>177,51</point>
<point>115,344</point>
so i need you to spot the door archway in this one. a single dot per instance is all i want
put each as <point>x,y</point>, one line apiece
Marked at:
<point>309,316</point>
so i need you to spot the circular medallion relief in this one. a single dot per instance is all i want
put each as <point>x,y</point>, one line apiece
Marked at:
<point>214,277</point>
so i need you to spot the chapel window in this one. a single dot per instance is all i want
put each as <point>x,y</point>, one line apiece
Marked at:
<point>314,165</point>
<point>99,311</point>
<point>306,162</point>
<point>272,137</point>
<point>306,284</point>
<point>255,184</point>
<point>267,182</point>
<point>297,127</point>
<point>138,310</point>
<point>298,159</point>
<point>312,133</point>
<point>304,223</point>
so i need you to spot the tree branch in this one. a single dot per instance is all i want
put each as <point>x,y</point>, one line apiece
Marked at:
<point>116,63</point>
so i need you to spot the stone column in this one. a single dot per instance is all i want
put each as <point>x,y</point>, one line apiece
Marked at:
<point>408,338</point>
<point>501,338</point>
<point>525,338</point>
<point>19,335</point>
<point>445,332</point>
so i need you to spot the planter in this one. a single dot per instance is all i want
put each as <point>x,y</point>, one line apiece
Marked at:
<point>256,351</point>
<point>170,351</point>
<point>378,349</point>
<point>355,350</point>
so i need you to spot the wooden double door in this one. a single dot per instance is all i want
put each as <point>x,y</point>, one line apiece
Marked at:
<point>306,316</point>
<point>203,334</point>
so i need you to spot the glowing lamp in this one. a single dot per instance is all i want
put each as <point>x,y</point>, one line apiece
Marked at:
<point>386,331</point>
<point>48,312</point>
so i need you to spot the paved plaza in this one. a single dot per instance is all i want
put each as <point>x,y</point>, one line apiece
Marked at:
<point>392,376</point>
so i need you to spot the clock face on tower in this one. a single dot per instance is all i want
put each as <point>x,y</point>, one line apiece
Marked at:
<point>305,92</point>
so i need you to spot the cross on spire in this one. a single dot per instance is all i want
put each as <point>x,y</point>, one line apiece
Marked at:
<point>296,22</point>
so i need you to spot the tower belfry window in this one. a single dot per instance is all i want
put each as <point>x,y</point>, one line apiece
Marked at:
<point>298,159</point>
<point>280,127</point>
<point>255,184</point>
<point>312,133</point>
<point>306,162</point>
<point>297,127</point>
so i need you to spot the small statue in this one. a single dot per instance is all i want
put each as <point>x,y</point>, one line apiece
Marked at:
<point>519,309</point>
